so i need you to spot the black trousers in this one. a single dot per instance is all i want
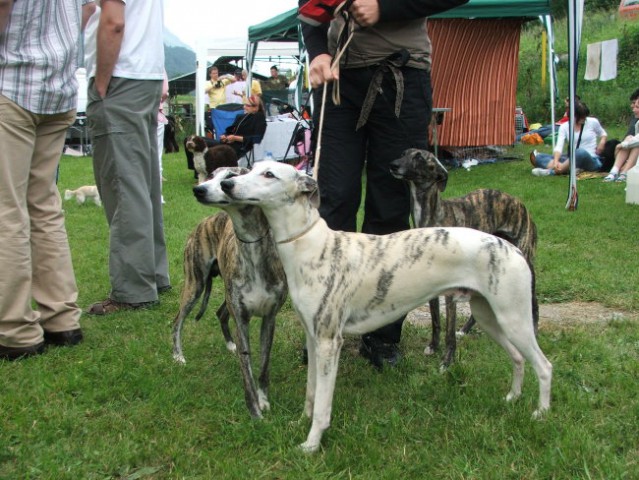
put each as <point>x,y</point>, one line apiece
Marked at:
<point>347,154</point>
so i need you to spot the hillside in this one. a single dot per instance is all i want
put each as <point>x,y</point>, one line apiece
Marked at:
<point>607,100</point>
<point>178,60</point>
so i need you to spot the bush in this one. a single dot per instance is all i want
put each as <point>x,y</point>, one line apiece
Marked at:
<point>607,100</point>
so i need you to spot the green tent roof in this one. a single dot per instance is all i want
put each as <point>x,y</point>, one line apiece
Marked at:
<point>498,9</point>
<point>283,27</point>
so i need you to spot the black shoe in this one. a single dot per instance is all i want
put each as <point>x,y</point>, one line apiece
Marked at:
<point>379,353</point>
<point>68,338</point>
<point>164,289</point>
<point>15,353</point>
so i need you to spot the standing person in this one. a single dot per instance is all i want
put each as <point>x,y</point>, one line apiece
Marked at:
<point>274,87</point>
<point>162,122</point>
<point>590,140</point>
<point>125,64</point>
<point>385,107</point>
<point>214,88</point>
<point>38,94</point>
<point>627,152</point>
<point>234,90</point>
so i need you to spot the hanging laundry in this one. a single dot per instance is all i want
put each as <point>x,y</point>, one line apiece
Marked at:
<point>609,50</point>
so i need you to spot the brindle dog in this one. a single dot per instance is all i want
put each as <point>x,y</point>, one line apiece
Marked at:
<point>489,211</point>
<point>236,245</point>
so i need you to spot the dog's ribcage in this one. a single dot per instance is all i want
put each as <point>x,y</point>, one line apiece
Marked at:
<point>214,240</point>
<point>375,279</point>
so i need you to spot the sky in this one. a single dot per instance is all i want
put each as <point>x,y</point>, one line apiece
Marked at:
<point>194,21</point>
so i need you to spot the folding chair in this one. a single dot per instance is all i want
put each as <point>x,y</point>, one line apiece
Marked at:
<point>247,150</point>
<point>223,116</point>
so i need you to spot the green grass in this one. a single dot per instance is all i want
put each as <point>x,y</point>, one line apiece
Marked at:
<point>118,407</point>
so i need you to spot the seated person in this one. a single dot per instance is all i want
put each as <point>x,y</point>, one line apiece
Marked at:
<point>247,129</point>
<point>627,152</point>
<point>590,138</point>
<point>546,130</point>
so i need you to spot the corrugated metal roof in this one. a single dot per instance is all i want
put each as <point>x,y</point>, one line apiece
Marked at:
<point>475,65</point>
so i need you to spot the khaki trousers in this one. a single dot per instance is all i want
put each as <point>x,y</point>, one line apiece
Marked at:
<point>35,259</point>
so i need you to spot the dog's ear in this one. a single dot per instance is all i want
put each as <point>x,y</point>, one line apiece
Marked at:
<point>309,186</point>
<point>437,171</point>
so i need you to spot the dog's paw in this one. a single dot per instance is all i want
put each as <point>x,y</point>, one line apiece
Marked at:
<point>307,447</point>
<point>512,396</point>
<point>460,334</point>
<point>428,351</point>
<point>231,347</point>
<point>539,413</point>
<point>265,406</point>
<point>179,358</point>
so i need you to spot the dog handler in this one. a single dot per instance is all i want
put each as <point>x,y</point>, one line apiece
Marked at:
<point>125,65</point>
<point>385,102</point>
<point>38,94</point>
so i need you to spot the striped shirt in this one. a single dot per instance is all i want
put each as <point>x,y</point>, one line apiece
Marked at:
<point>38,55</point>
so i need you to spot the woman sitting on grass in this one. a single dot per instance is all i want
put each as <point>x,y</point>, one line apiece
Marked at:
<point>627,152</point>
<point>590,138</point>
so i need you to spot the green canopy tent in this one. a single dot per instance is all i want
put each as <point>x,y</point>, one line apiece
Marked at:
<point>482,35</point>
<point>283,28</point>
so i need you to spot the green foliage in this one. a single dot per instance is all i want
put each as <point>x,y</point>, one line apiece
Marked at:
<point>608,100</point>
<point>560,7</point>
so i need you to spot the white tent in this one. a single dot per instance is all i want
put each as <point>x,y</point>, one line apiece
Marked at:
<point>230,47</point>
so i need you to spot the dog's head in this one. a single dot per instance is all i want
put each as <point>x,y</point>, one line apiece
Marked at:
<point>195,144</point>
<point>421,168</point>
<point>211,193</point>
<point>219,156</point>
<point>272,184</point>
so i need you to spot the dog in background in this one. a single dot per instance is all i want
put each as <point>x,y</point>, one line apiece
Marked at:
<point>206,159</point>
<point>170,143</point>
<point>236,245</point>
<point>219,156</point>
<point>82,194</point>
<point>489,211</point>
<point>344,282</point>
<point>197,146</point>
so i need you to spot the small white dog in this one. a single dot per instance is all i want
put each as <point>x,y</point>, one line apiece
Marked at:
<point>83,193</point>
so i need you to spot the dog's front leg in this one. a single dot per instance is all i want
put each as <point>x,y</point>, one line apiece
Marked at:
<point>244,355</point>
<point>310,374</point>
<point>266,342</point>
<point>327,359</point>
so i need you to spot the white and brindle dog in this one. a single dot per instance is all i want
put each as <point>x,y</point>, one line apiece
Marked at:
<point>490,211</point>
<point>237,245</point>
<point>354,283</point>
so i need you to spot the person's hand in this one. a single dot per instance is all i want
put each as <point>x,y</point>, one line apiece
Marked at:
<point>365,12</point>
<point>320,70</point>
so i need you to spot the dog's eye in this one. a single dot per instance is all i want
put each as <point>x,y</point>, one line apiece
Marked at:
<point>269,174</point>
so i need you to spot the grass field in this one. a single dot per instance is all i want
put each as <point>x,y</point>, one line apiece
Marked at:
<point>118,407</point>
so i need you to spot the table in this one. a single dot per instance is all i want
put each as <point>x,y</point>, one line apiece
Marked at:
<point>276,139</point>
<point>437,119</point>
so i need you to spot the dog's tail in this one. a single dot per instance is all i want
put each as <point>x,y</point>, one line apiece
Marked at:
<point>68,194</point>
<point>213,272</point>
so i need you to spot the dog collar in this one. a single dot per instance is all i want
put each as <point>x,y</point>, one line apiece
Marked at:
<point>301,234</point>
<point>254,241</point>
